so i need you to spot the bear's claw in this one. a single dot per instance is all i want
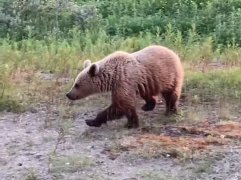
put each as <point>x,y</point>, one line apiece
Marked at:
<point>148,106</point>
<point>131,125</point>
<point>93,122</point>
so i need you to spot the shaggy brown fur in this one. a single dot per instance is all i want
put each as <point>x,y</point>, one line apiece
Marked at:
<point>164,74</point>
<point>149,72</point>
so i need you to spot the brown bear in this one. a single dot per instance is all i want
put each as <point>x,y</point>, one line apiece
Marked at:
<point>146,73</point>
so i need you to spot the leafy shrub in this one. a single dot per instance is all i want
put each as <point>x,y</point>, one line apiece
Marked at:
<point>123,18</point>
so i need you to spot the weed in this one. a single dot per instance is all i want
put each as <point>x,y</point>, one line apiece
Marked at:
<point>71,163</point>
<point>155,175</point>
<point>205,167</point>
<point>11,105</point>
<point>31,175</point>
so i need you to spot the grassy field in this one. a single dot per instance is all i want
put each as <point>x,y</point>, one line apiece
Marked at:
<point>209,74</point>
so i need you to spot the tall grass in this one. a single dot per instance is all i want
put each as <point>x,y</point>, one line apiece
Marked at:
<point>215,85</point>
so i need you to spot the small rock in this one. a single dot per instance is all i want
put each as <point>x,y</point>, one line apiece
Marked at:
<point>29,154</point>
<point>28,132</point>
<point>38,156</point>
<point>222,136</point>
<point>113,156</point>
<point>3,162</point>
<point>20,164</point>
<point>91,147</point>
<point>100,162</point>
<point>33,110</point>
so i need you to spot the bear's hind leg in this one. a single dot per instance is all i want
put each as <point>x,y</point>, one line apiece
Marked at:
<point>108,114</point>
<point>170,98</point>
<point>150,104</point>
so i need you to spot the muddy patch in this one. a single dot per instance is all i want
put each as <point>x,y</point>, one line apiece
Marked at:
<point>179,141</point>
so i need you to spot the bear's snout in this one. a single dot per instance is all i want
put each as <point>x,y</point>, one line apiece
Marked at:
<point>69,96</point>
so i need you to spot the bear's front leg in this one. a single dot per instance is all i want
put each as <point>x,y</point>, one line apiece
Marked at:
<point>108,114</point>
<point>125,99</point>
<point>132,119</point>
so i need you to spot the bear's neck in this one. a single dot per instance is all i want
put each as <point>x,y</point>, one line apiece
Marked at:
<point>106,82</point>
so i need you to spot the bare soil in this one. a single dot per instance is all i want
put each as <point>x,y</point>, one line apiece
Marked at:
<point>51,141</point>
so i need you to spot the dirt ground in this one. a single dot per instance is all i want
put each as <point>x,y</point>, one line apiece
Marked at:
<point>51,141</point>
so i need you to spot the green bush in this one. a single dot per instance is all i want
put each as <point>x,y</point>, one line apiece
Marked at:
<point>43,19</point>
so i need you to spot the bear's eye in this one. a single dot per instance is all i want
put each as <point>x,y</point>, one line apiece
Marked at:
<point>76,86</point>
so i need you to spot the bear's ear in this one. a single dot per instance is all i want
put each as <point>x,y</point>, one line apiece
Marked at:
<point>86,63</point>
<point>94,69</point>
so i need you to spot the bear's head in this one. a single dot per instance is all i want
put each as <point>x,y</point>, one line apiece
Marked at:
<point>84,84</point>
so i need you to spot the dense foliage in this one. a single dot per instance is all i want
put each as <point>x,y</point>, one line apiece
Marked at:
<point>44,19</point>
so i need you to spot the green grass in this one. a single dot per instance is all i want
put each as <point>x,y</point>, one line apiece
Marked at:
<point>66,58</point>
<point>8,104</point>
<point>9,99</point>
<point>215,84</point>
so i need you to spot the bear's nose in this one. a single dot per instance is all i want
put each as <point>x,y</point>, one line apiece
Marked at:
<point>68,95</point>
